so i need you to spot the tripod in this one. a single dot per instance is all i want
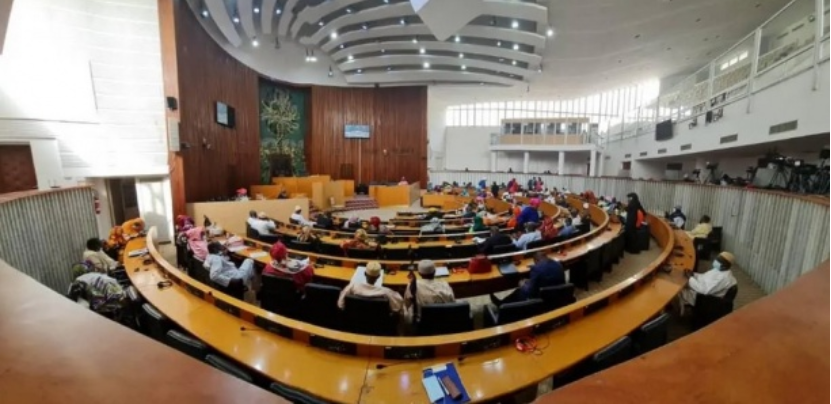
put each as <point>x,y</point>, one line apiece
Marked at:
<point>711,177</point>
<point>779,176</point>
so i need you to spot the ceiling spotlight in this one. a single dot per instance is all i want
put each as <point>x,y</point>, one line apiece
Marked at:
<point>255,42</point>
<point>333,35</point>
<point>549,32</point>
<point>516,46</point>
<point>364,27</point>
<point>515,24</point>
<point>235,19</point>
<point>320,23</point>
<point>539,69</point>
<point>402,21</point>
<point>513,62</point>
<point>458,39</point>
<point>341,46</point>
<point>501,59</point>
<point>464,67</point>
<point>205,13</point>
<point>426,65</point>
<point>279,11</point>
<point>331,73</point>
<point>383,51</point>
<point>256,10</point>
<point>421,51</point>
<point>461,56</point>
<point>415,40</point>
<point>360,71</point>
<point>389,69</point>
<point>349,11</point>
<point>386,1</point>
<point>350,57</point>
<point>498,43</point>
<point>481,83</point>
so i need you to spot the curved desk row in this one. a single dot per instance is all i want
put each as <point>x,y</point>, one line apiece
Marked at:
<point>367,368</point>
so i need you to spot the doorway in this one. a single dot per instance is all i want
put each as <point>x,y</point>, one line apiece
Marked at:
<point>123,199</point>
<point>17,169</point>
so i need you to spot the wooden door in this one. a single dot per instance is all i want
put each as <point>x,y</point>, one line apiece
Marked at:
<point>17,169</point>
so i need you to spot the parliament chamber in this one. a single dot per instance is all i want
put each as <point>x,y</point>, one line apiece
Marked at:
<point>413,201</point>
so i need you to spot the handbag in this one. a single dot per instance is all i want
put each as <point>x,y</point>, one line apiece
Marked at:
<point>479,264</point>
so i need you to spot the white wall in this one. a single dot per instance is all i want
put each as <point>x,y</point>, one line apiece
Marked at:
<point>81,83</point>
<point>155,205</point>
<point>436,112</point>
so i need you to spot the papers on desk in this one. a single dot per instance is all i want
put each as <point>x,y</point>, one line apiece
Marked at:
<point>258,254</point>
<point>136,253</point>
<point>442,271</point>
<point>479,240</point>
<point>360,276</point>
<point>236,248</point>
<point>434,386</point>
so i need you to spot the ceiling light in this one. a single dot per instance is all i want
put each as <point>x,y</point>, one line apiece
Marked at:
<point>389,69</point>
<point>402,21</point>
<point>421,51</point>
<point>515,24</point>
<point>313,58</point>
<point>350,57</point>
<point>516,46</point>
<point>279,11</point>
<point>236,20</point>
<point>698,20</point>
<point>331,73</point>
<point>341,46</point>
<point>333,35</point>
<point>415,40</point>
<point>498,43</point>
<point>205,13</point>
<point>349,10</point>
<point>513,62</point>
<point>501,59</point>
<point>320,23</point>
<point>360,71</point>
<point>464,67</point>
<point>255,42</point>
<point>458,39</point>
<point>364,27</point>
<point>426,65</point>
<point>386,1</point>
<point>383,51</point>
<point>461,55</point>
<point>256,10</point>
<point>549,32</point>
<point>539,69</point>
<point>481,83</point>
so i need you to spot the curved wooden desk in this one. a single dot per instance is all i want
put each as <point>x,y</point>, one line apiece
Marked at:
<point>293,352</point>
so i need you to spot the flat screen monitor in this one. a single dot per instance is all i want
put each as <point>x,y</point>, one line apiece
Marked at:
<point>224,114</point>
<point>356,131</point>
<point>663,130</point>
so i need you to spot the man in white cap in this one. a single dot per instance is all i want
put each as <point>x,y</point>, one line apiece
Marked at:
<point>372,288</point>
<point>263,224</point>
<point>426,290</point>
<point>297,217</point>
<point>714,282</point>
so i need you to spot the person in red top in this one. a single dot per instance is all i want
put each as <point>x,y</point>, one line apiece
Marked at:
<point>288,268</point>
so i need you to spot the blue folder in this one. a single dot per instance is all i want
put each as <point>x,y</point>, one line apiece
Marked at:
<point>450,371</point>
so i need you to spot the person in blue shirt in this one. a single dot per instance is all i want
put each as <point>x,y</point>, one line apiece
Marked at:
<point>568,230</point>
<point>529,214</point>
<point>545,272</point>
<point>483,183</point>
<point>531,234</point>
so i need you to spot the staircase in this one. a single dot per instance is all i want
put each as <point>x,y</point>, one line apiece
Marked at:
<point>360,202</point>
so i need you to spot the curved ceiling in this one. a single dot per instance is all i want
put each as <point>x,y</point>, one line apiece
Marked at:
<point>495,48</point>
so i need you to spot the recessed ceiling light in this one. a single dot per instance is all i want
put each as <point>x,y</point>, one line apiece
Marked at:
<point>515,24</point>
<point>279,11</point>
<point>205,13</point>
<point>426,65</point>
<point>501,59</point>
<point>669,49</point>
<point>364,27</point>
<point>458,39</point>
<point>320,23</point>
<point>481,83</point>
<point>757,5</point>
<point>619,61</point>
<point>516,46</point>
<point>256,10</point>
<point>464,67</point>
<point>360,71</point>
<point>549,32</point>
<point>235,19</point>
<point>402,21</point>
<point>706,39</point>
<point>539,69</point>
<point>333,35</point>
<point>350,57</point>
<point>718,36</point>
<point>421,51</point>
<point>498,43</point>
<point>341,46</point>
<point>513,62</point>
<point>389,68</point>
<point>383,50</point>
<point>255,42</point>
<point>461,55</point>
<point>415,40</point>
<point>349,10</point>
<point>387,1</point>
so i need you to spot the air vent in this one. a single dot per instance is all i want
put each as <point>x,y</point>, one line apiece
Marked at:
<point>626,156</point>
<point>674,166</point>
<point>782,127</point>
<point>643,153</point>
<point>686,147</point>
<point>662,151</point>
<point>729,138</point>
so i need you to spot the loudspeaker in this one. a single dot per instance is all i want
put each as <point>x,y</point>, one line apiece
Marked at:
<point>172,104</point>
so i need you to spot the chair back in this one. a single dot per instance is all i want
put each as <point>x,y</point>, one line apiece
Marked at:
<point>618,352</point>
<point>279,295</point>
<point>652,335</point>
<point>235,288</point>
<point>594,264</point>
<point>229,367</point>
<point>362,253</point>
<point>516,311</point>
<point>153,322</point>
<point>537,244</point>
<point>444,318</point>
<point>558,296</point>
<point>710,308</point>
<point>197,271</point>
<point>294,396</point>
<point>187,344</point>
<point>730,296</point>
<point>369,316</point>
<point>320,305</point>
<point>250,232</point>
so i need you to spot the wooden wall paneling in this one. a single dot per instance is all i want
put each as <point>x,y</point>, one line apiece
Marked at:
<point>17,169</point>
<point>170,75</point>
<point>220,159</point>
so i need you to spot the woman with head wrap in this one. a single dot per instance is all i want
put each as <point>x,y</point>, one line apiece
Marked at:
<point>282,266</point>
<point>359,241</point>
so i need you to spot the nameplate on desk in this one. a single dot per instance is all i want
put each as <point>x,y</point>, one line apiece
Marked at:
<point>552,324</point>
<point>331,345</point>
<point>195,291</point>
<point>397,352</point>
<point>227,307</point>
<point>593,307</point>
<point>485,344</point>
<point>273,327</point>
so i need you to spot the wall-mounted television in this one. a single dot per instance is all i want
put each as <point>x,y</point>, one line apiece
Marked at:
<point>224,114</point>
<point>663,130</point>
<point>356,131</point>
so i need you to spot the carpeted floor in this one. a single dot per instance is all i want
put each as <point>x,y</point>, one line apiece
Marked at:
<point>385,213</point>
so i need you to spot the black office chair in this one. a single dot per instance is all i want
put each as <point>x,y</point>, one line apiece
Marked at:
<point>250,232</point>
<point>594,264</point>
<point>363,253</point>
<point>229,367</point>
<point>607,256</point>
<point>320,306</point>
<point>187,344</point>
<point>652,335</point>
<point>295,396</point>
<point>236,288</point>
<point>293,244</point>
<point>434,253</point>
<point>134,296</point>
<point>715,238</point>
<point>558,296</point>
<point>197,271</point>
<point>578,272</point>
<point>703,250</point>
<point>499,250</point>
<point>510,312</point>
<point>618,352</point>
<point>710,308</point>
<point>619,244</point>
<point>279,295</point>
<point>444,318</point>
<point>153,322</point>
<point>369,316</point>
<point>333,250</point>
<point>536,244</point>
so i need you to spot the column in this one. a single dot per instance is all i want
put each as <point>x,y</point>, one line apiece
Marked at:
<point>561,163</point>
<point>601,164</point>
<point>493,161</point>
<point>592,163</point>
<point>525,158</point>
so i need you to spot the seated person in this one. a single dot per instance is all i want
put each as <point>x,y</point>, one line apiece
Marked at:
<point>433,213</point>
<point>576,219</point>
<point>324,220</point>
<point>370,289</point>
<point>703,229</point>
<point>132,228</point>
<point>434,226</point>
<point>283,194</point>
<point>478,224</point>
<point>297,217</point>
<point>101,292</point>
<point>403,181</point>
<point>197,243</point>
<point>352,224</point>
<point>714,282</point>
<point>491,218</point>
<point>531,234</point>
<point>306,235</point>
<point>677,217</point>
<point>252,217</point>
<point>529,213</point>
<point>569,229</point>
<point>359,241</point>
<point>183,223</point>
<point>100,262</point>
<point>496,239</point>
<point>282,266</point>
<point>426,290</point>
<point>263,224</point>
<point>223,270</point>
<point>549,229</point>
<point>545,272</point>
<point>374,225</point>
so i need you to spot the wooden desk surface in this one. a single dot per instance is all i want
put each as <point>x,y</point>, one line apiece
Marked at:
<point>774,350</point>
<point>55,351</point>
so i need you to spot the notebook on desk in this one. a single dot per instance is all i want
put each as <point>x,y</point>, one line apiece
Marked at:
<point>507,269</point>
<point>434,386</point>
<point>442,271</point>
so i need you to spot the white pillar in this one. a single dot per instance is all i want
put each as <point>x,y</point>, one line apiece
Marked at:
<point>561,163</point>
<point>493,161</point>
<point>601,164</point>
<point>525,158</point>
<point>592,163</point>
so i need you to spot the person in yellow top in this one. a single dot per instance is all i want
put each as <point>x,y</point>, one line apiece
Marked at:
<point>132,228</point>
<point>703,229</point>
<point>119,235</point>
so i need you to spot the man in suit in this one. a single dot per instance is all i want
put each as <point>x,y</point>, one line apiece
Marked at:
<point>545,272</point>
<point>496,239</point>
